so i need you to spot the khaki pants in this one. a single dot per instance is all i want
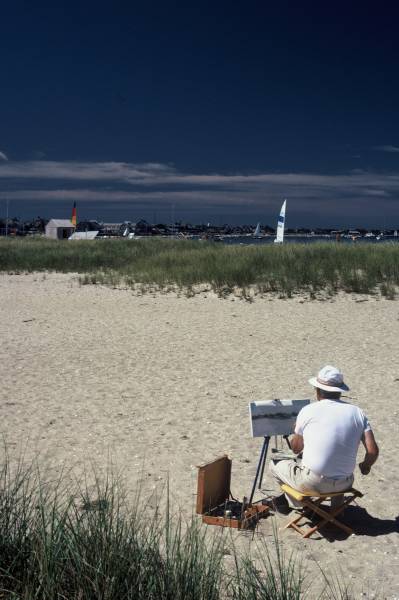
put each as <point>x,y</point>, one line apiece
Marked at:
<point>303,479</point>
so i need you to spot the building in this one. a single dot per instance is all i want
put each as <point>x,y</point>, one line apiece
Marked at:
<point>59,229</point>
<point>112,229</point>
<point>84,235</point>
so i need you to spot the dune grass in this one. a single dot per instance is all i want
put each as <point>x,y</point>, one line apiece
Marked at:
<point>292,268</point>
<point>90,545</point>
<point>87,543</point>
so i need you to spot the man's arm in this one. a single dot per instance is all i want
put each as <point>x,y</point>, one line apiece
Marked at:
<point>296,443</point>
<point>372,452</point>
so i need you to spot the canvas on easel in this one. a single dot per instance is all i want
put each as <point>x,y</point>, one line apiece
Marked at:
<point>272,418</point>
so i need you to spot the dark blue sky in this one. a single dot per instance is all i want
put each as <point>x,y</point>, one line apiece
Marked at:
<point>220,110</point>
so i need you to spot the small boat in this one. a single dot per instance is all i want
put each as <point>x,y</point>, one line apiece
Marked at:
<point>354,234</point>
<point>280,225</point>
<point>257,233</point>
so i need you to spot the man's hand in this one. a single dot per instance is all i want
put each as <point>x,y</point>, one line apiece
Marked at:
<point>371,452</point>
<point>296,443</point>
<point>364,469</point>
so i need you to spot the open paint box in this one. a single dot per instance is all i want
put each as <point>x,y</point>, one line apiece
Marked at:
<point>215,502</point>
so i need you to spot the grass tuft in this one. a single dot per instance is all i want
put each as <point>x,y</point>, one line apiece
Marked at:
<point>87,543</point>
<point>275,576</point>
<point>92,545</point>
<point>319,268</point>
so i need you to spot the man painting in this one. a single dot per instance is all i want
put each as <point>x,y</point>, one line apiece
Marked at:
<point>328,433</point>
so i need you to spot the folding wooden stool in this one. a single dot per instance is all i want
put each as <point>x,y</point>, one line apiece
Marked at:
<point>312,501</point>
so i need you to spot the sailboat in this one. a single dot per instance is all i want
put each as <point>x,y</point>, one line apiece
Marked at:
<point>280,225</point>
<point>257,233</point>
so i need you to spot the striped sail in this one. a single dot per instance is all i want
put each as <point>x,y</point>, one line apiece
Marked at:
<point>280,225</point>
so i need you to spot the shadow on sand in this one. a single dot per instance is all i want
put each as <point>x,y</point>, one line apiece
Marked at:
<point>362,523</point>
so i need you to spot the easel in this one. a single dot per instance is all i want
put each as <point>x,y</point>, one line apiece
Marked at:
<point>261,463</point>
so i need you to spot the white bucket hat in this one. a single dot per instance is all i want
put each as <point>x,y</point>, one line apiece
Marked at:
<point>329,379</point>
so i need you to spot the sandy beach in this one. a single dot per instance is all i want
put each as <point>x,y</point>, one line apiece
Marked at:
<point>158,384</point>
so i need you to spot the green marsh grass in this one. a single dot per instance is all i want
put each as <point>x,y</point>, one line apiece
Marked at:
<point>58,542</point>
<point>317,268</point>
<point>57,546</point>
<point>275,576</point>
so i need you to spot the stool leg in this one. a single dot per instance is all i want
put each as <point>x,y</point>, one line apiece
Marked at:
<point>315,507</point>
<point>336,512</point>
<point>293,522</point>
<point>329,517</point>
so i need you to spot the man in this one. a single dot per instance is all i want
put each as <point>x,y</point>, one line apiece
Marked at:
<point>328,432</point>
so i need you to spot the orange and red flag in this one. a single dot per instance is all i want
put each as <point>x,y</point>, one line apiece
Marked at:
<point>73,219</point>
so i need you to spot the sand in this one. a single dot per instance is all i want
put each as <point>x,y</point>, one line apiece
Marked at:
<point>157,384</point>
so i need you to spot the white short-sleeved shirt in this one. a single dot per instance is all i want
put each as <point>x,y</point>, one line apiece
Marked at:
<point>332,431</point>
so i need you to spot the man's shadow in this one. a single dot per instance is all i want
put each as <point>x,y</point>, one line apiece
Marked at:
<point>362,523</point>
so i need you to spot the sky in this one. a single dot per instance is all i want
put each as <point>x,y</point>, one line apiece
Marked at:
<point>201,111</point>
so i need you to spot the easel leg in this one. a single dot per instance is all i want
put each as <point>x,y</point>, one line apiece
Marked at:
<point>288,441</point>
<point>267,440</point>
<point>261,466</point>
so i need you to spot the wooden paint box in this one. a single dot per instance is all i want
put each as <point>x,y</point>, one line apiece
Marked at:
<point>214,501</point>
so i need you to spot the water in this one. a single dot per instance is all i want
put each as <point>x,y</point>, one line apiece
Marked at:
<point>298,239</point>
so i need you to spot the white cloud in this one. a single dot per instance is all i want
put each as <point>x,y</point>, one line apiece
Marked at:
<point>3,156</point>
<point>212,198</point>
<point>387,148</point>
<point>155,175</point>
<point>154,184</point>
<point>81,171</point>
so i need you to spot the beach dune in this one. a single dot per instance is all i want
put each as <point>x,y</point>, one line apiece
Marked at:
<point>157,384</point>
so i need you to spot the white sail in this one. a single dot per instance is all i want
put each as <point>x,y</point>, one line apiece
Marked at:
<point>257,230</point>
<point>280,225</point>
